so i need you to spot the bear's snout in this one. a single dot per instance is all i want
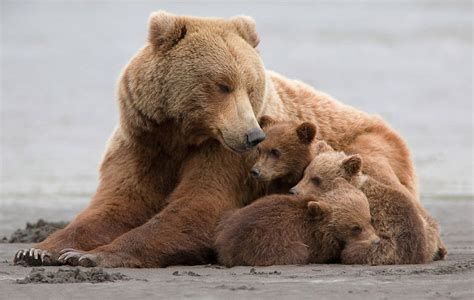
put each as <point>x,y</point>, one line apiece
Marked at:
<point>294,191</point>
<point>255,172</point>
<point>254,137</point>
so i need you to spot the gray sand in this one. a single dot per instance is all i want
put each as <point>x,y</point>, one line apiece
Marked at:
<point>409,61</point>
<point>70,275</point>
<point>452,278</point>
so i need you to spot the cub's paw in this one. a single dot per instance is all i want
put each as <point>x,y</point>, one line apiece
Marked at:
<point>35,257</point>
<point>440,254</point>
<point>356,253</point>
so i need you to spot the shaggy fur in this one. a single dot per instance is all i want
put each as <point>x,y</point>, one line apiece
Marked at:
<point>180,157</point>
<point>280,229</point>
<point>407,237</point>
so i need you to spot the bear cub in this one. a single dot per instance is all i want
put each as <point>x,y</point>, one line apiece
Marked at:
<point>286,229</point>
<point>406,238</point>
<point>284,154</point>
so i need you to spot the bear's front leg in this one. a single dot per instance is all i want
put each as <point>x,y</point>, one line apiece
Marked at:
<point>381,253</point>
<point>96,226</point>
<point>121,203</point>
<point>183,232</point>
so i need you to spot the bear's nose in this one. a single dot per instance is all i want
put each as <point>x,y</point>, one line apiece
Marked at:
<point>255,172</point>
<point>294,191</point>
<point>254,137</point>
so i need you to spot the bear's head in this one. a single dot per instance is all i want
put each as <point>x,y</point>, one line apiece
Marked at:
<point>202,74</point>
<point>286,151</point>
<point>325,167</point>
<point>346,212</point>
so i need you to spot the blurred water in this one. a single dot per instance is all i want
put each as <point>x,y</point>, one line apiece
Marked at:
<point>410,62</point>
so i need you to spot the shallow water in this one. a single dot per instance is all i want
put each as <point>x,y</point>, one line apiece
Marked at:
<point>410,62</point>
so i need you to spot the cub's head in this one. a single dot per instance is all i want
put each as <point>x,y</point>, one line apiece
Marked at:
<point>325,167</point>
<point>286,151</point>
<point>348,214</point>
<point>203,74</point>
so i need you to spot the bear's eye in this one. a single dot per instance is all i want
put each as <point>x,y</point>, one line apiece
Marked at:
<point>275,153</point>
<point>224,88</point>
<point>316,180</point>
<point>356,230</point>
<point>372,221</point>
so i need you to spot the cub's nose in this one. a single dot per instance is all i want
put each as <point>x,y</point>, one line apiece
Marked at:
<point>254,137</point>
<point>376,241</point>
<point>255,172</point>
<point>294,191</point>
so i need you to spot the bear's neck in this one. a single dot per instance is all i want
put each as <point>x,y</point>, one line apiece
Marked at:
<point>141,131</point>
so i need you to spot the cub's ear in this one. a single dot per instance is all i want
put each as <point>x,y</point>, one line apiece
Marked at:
<point>352,165</point>
<point>322,147</point>
<point>246,28</point>
<point>319,210</point>
<point>165,30</point>
<point>266,121</point>
<point>306,132</point>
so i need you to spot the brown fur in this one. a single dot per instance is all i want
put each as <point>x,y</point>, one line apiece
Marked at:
<point>279,229</point>
<point>407,237</point>
<point>187,101</point>
<point>284,154</point>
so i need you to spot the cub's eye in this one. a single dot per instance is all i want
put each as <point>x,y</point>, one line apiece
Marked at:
<point>372,221</point>
<point>275,153</point>
<point>316,180</point>
<point>356,230</point>
<point>224,88</point>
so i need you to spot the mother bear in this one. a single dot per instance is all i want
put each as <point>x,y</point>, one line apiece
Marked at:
<point>189,103</point>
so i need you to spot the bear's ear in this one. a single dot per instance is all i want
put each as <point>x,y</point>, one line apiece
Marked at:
<point>352,165</point>
<point>319,210</point>
<point>165,30</point>
<point>266,121</point>
<point>306,132</point>
<point>246,28</point>
<point>322,147</point>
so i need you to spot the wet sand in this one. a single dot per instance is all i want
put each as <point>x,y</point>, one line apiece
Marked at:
<point>409,61</point>
<point>452,278</point>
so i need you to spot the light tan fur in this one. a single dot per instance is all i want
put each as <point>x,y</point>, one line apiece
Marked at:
<point>409,235</point>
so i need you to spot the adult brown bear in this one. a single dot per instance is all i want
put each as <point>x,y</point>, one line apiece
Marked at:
<point>189,102</point>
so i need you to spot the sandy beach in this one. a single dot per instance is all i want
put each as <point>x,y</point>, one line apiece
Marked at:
<point>408,61</point>
<point>449,279</point>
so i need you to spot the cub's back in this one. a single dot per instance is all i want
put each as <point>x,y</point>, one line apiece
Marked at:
<point>269,231</point>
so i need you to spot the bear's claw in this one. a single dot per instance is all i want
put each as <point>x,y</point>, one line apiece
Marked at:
<point>77,258</point>
<point>32,257</point>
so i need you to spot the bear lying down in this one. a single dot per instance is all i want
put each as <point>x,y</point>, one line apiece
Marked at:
<point>285,229</point>
<point>338,214</point>
<point>406,236</point>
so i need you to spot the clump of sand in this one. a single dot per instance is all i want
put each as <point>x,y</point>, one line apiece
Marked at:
<point>74,275</point>
<point>34,232</point>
